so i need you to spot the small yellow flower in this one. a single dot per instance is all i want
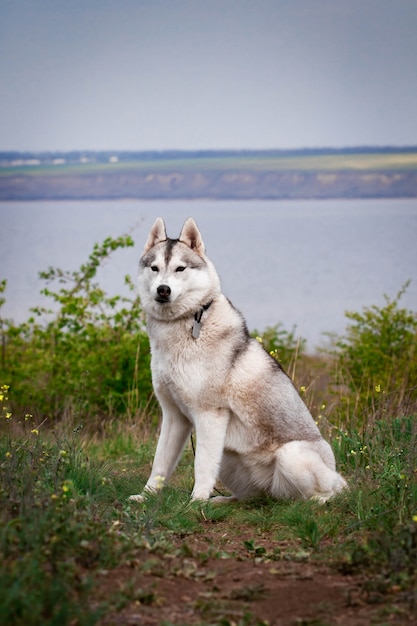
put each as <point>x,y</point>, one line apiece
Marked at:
<point>378,388</point>
<point>63,453</point>
<point>302,389</point>
<point>67,486</point>
<point>414,518</point>
<point>260,339</point>
<point>8,455</point>
<point>159,481</point>
<point>7,415</point>
<point>34,431</point>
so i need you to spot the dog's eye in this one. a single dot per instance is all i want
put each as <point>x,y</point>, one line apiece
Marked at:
<point>154,268</point>
<point>180,268</point>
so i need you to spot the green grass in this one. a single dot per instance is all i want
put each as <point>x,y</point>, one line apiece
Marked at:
<point>65,517</point>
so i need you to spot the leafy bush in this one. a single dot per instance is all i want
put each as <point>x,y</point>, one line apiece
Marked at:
<point>91,357</point>
<point>377,359</point>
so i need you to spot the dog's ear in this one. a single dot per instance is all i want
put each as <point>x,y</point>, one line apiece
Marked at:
<point>190,235</point>
<point>158,233</point>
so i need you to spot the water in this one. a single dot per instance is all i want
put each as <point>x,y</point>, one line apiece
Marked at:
<point>300,263</point>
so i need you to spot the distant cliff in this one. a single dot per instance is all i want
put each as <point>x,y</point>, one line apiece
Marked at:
<point>236,175</point>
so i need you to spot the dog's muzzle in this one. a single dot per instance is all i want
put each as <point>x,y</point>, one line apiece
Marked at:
<point>164,293</point>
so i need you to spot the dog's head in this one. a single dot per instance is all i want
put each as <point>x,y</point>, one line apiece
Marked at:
<point>175,276</point>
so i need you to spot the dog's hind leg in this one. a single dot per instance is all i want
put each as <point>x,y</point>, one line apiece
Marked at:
<point>237,477</point>
<point>306,469</point>
<point>175,431</point>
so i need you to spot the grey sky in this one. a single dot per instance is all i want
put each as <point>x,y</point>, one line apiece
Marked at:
<point>189,74</point>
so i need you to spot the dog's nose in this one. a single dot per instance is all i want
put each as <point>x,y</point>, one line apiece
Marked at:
<point>164,291</point>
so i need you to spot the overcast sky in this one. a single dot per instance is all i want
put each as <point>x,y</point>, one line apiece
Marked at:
<point>190,74</point>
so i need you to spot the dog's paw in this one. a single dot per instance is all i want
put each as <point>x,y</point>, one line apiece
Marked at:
<point>200,495</point>
<point>321,499</point>
<point>136,498</point>
<point>141,497</point>
<point>198,500</point>
<point>223,499</point>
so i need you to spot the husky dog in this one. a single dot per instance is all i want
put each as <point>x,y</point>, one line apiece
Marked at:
<point>253,431</point>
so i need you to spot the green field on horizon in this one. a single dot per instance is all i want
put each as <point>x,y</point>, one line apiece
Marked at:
<point>358,162</point>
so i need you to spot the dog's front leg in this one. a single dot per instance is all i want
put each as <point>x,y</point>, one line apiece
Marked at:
<point>211,433</point>
<point>175,431</point>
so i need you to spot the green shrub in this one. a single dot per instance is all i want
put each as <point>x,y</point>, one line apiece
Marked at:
<point>375,369</point>
<point>91,358</point>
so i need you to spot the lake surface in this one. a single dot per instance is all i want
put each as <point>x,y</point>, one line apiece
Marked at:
<point>302,263</point>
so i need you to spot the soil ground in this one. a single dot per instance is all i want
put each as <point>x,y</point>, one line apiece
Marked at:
<point>233,580</point>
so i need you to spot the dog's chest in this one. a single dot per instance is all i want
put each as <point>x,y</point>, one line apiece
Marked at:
<point>187,371</point>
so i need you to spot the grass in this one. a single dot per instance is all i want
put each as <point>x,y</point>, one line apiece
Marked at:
<point>65,517</point>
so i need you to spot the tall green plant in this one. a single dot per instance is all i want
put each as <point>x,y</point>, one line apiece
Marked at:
<point>91,357</point>
<point>377,357</point>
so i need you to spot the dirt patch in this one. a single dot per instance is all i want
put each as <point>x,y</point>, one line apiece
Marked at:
<point>218,579</point>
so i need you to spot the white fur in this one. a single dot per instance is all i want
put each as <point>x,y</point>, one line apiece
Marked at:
<point>253,430</point>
